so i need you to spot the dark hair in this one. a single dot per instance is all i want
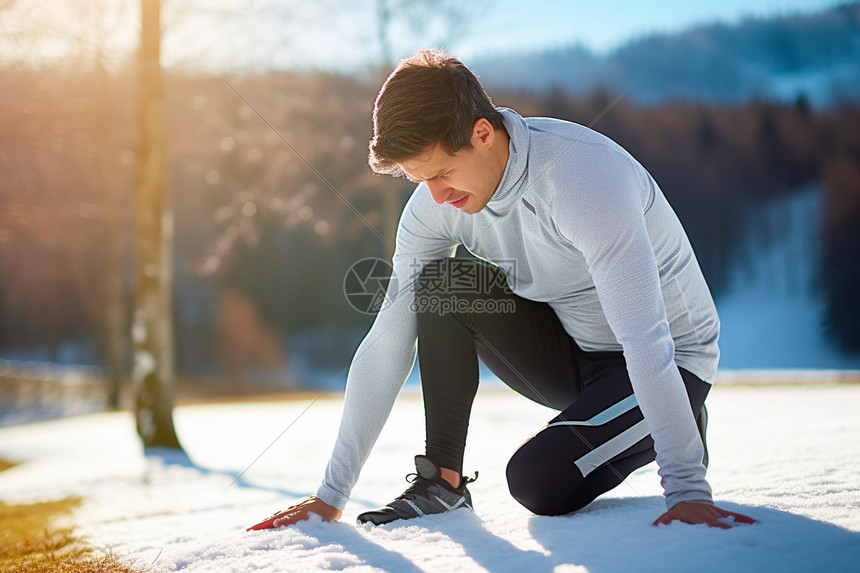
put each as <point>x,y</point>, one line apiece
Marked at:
<point>430,98</point>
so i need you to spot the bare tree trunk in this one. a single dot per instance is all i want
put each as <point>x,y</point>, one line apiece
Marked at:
<point>114,337</point>
<point>152,330</point>
<point>383,25</point>
<point>390,198</point>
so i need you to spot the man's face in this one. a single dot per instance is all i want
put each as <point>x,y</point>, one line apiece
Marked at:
<point>465,180</point>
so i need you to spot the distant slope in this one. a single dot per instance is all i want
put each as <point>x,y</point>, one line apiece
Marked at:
<point>816,56</point>
<point>771,315</point>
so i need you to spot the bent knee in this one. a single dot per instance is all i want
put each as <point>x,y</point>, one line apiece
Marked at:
<point>544,483</point>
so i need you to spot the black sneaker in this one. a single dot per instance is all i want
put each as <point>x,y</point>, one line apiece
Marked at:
<point>428,494</point>
<point>702,424</point>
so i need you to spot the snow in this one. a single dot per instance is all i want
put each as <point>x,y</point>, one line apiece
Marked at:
<point>786,455</point>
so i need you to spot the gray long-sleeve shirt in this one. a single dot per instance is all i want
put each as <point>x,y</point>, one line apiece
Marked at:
<point>578,223</point>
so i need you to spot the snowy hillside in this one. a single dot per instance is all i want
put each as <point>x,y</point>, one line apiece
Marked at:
<point>787,456</point>
<point>815,56</point>
<point>771,317</point>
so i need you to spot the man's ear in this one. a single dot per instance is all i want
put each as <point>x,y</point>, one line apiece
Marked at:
<point>483,133</point>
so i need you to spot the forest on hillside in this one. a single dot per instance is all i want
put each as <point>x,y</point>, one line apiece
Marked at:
<point>262,243</point>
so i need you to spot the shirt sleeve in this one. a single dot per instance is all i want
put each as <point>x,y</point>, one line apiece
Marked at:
<point>602,213</point>
<point>385,357</point>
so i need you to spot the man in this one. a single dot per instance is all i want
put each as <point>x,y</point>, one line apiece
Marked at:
<point>594,305</point>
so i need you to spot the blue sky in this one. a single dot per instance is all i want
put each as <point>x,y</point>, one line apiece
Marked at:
<point>506,26</point>
<point>241,35</point>
<point>602,25</point>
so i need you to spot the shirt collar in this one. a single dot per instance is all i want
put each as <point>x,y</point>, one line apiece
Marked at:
<point>512,185</point>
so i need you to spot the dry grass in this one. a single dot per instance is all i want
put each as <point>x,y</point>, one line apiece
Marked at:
<point>31,542</point>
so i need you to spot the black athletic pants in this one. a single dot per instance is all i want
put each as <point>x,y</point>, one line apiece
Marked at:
<point>466,312</point>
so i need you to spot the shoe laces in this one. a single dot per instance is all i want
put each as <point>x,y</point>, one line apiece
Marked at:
<point>418,488</point>
<point>420,485</point>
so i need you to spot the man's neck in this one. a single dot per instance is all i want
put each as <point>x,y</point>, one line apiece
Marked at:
<point>501,146</point>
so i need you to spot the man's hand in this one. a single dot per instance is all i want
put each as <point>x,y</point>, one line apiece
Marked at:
<point>300,512</point>
<point>691,512</point>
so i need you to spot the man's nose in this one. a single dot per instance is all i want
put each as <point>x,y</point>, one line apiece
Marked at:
<point>439,191</point>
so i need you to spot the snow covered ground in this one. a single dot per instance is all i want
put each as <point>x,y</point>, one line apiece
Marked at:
<point>788,456</point>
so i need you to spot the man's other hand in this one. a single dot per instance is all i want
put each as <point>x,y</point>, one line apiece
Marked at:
<point>711,515</point>
<point>300,512</point>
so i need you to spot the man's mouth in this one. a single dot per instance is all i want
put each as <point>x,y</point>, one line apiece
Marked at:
<point>459,202</point>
